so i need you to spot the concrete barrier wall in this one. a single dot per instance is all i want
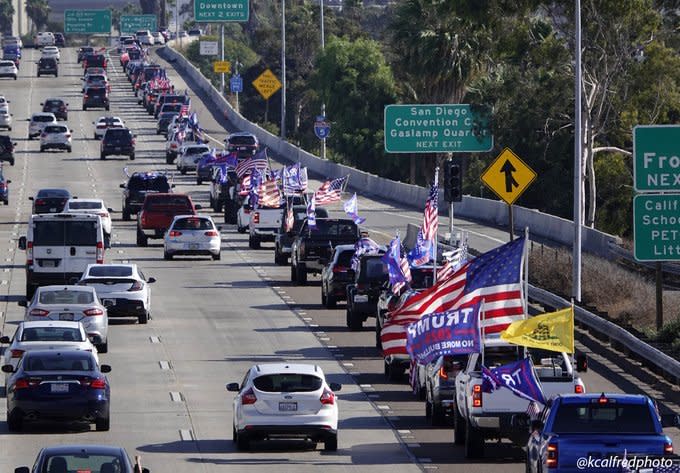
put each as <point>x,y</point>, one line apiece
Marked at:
<point>541,226</point>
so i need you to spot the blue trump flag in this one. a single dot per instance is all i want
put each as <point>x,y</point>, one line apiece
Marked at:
<point>351,208</point>
<point>311,214</point>
<point>454,332</point>
<point>519,377</point>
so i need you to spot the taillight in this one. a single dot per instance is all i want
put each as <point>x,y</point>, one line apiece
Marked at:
<point>246,211</point>
<point>136,286</point>
<point>173,145</point>
<point>85,96</point>
<point>2,186</point>
<point>103,214</point>
<point>143,219</point>
<point>100,252</point>
<point>211,233</point>
<point>17,353</point>
<point>255,217</point>
<point>668,448</point>
<point>339,269</point>
<point>96,383</point>
<point>40,202</point>
<point>551,460</point>
<point>477,395</point>
<point>22,383</point>
<point>578,389</point>
<point>443,374</point>
<point>29,252</point>
<point>327,397</point>
<point>248,397</point>
<point>38,313</point>
<point>175,233</point>
<point>134,141</point>
<point>93,312</point>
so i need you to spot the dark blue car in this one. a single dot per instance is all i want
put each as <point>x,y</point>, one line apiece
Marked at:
<point>65,458</point>
<point>58,385</point>
<point>12,49</point>
<point>4,188</point>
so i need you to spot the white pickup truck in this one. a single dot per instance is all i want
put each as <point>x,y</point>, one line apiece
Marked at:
<point>480,416</point>
<point>263,225</point>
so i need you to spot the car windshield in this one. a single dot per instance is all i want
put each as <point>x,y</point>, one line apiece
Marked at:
<point>83,462</point>
<point>167,202</point>
<point>96,78</point>
<point>610,418</point>
<point>84,205</point>
<point>52,334</point>
<point>106,270</point>
<point>374,268</point>
<point>287,383</point>
<point>6,63</point>
<point>118,133</point>
<point>53,103</point>
<point>242,140</point>
<point>193,224</point>
<point>43,118</point>
<point>58,363</point>
<point>157,183</point>
<point>61,296</point>
<point>334,227</point>
<point>172,107</point>
<point>65,233</point>
<point>55,129</point>
<point>168,115</point>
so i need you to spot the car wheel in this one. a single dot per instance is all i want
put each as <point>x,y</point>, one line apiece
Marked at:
<point>69,149</point>
<point>167,256</point>
<point>234,434</point>
<point>330,301</point>
<point>378,341</point>
<point>301,274</point>
<point>9,128</point>
<point>254,242</point>
<point>293,272</point>
<point>474,442</point>
<point>428,409</point>
<point>42,149</point>
<point>102,156</point>
<point>142,239</point>
<point>279,258</point>
<point>324,299</point>
<point>84,107</point>
<point>132,157</point>
<point>94,136</point>
<point>458,427</point>
<point>38,74</point>
<point>242,442</point>
<point>103,424</point>
<point>199,181</point>
<point>217,257</point>
<point>106,108</point>
<point>182,171</point>
<point>241,229</point>
<point>438,418</point>
<point>395,372</point>
<point>126,214</point>
<point>331,443</point>
<point>15,421</point>
<point>356,323</point>
<point>143,318</point>
<point>15,77</point>
<point>6,202</point>
<point>168,159</point>
<point>103,347</point>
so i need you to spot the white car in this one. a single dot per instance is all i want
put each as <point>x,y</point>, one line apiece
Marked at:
<point>189,155</point>
<point>103,123</point>
<point>145,37</point>
<point>192,235</point>
<point>8,69</point>
<point>122,288</point>
<point>94,207</point>
<point>12,40</point>
<point>38,121</point>
<point>5,120</point>
<point>121,42</point>
<point>71,303</point>
<point>51,52</point>
<point>158,37</point>
<point>285,400</point>
<point>44,38</point>
<point>45,335</point>
<point>4,103</point>
<point>243,215</point>
<point>55,137</point>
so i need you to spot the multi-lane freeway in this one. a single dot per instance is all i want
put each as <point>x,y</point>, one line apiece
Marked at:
<point>212,320</point>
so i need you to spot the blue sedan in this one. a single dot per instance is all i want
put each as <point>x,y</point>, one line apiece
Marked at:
<point>58,385</point>
<point>94,458</point>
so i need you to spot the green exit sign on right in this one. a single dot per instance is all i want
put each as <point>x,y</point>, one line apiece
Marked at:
<point>656,227</point>
<point>656,158</point>
<point>221,10</point>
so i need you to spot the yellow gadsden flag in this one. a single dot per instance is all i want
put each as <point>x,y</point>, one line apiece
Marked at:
<point>553,331</point>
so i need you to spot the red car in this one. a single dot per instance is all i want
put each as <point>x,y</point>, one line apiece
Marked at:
<point>157,214</point>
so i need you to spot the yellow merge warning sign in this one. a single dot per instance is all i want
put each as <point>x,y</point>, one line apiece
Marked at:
<point>508,176</point>
<point>267,84</point>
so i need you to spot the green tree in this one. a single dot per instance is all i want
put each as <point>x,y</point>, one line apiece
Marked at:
<point>38,11</point>
<point>6,15</point>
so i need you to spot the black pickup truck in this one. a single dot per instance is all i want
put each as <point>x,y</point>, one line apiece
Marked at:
<point>283,243</point>
<point>223,183</point>
<point>363,293</point>
<point>312,248</point>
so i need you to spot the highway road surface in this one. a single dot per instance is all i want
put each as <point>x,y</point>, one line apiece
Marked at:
<point>212,320</point>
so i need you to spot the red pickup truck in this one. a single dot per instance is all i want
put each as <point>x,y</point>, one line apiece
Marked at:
<point>157,213</point>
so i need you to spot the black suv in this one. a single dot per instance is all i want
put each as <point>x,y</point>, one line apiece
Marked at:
<point>48,65</point>
<point>50,201</point>
<point>117,141</point>
<point>362,296</point>
<point>163,121</point>
<point>94,60</point>
<point>243,143</point>
<point>284,239</point>
<point>59,40</point>
<point>96,97</point>
<point>138,186</point>
<point>7,149</point>
<point>56,106</point>
<point>84,51</point>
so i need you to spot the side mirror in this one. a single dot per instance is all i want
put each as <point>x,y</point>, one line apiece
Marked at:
<point>232,387</point>
<point>109,209</point>
<point>71,131</point>
<point>23,303</point>
<point>581,363</point>
<point>30,198</point>
<point>667,420</point>
<point>8,369</point>
<point>173,186</point>
<point>151,280</point>
<point>105,368</point>
<point>198,207</point>
<point>22,469</point>
<point>4,339</point>
<point>335,386</point>
<point>42,103</point>
<point>146,470</point>
<point>22,243</point>
<point>122,186</point>
<point>520,421</point>
<point>219,228</point>
<point>9,181</point>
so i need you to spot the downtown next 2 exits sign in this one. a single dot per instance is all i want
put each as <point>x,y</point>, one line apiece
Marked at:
<point>445,128</point>
<point>221,10</point>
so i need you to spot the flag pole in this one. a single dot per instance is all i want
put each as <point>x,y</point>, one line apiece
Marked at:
<point>481,330</point>
<point>526,272</point>
<point>435,236</point>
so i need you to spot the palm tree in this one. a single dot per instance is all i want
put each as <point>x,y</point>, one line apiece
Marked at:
<point>38,11</point>
<point>6,15</point>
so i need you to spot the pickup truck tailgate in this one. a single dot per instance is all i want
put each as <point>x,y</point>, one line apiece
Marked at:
<point>571,448</point>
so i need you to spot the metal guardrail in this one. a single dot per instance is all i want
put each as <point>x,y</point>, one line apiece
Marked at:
<point>652,357</point>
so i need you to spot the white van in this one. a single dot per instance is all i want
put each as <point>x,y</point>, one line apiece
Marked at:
<point>44,38</point>
<point>59,247</point>
<point>144,37</point>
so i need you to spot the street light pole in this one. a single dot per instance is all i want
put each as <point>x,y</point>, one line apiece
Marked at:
<point>222,75</point>
<point>323,102</point>
<point>578,156</point>
<point>283,69</point>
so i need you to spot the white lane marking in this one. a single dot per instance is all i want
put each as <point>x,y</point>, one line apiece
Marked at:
<point>164,365</point>
<point>349,365</point>
<point>383,407</point>
<point>154,339</point>
<point>404,432</point>
<point>175,396</point>
<point>186,435</point>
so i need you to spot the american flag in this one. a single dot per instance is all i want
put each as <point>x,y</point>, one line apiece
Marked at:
<point>184,110</point>
<point>431,215</point>
<point>454,262</point>
<point>245,186</point>
<point>259,162</point>
<point>330,191</point>
<point>494,277</point>
<point>533,410</point>
<point>290,219</point>
<point>269,194</point>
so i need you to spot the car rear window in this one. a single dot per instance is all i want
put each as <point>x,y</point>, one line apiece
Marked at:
<point>53,103</point>
<point>330,227</point>
<point>242,140</point>
<point>6,63</point>
<point>65,233</point>
<point>118,133</point>
<point>167,202</point>
<point>55,129</point>
<point>197,150</point>
<point>287,383</point>
<point>611,418</point>
<point>51,334</point>
<point>58,363</point>
<point>172,107</point>
<point>80,205</point>
<point>159,184</point>
<point>43,118</point>
<point>96,91</point>
<point>109,270</point>
<point>345,258</point>
<point>374,268</point>
<point>193,224</point>
<point>66,297</point>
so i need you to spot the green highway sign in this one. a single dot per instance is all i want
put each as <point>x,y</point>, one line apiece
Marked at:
<point>447,128</point>
<point>656,158</point>
<point>221,10</point>
<point>657,227</point>
<point>133,23</point>
<point>87,21</point>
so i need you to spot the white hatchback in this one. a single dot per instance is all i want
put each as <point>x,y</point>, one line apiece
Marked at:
<point>94,207</point>
<point>51,52</point>
<point>189,155</point>
<point>38,121</point>
<point>285,400</point>
<point>4,103</point>
<point>56,137</point>
<point>5,120</point>
<point>45,335</point>
<point>192,235</point>
<point>103,123</point>
<point>8,69</point>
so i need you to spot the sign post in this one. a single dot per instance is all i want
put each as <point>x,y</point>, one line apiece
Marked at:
<point>87,21</point>
<point>132,23</point>
<point>508,177</point>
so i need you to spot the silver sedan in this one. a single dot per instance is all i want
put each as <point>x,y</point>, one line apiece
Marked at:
<point>73,303</point>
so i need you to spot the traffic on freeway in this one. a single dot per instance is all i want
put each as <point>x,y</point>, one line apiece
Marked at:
<point>252,316</point>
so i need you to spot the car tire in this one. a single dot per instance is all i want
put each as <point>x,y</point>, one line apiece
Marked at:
<point>199,181</point>
<point>69,149</point>
<point>143,318</point>
<point>279,258</point>
<point>102,156</point>
<point>395,373</point>
<point>11,161</point>
<point>168,159</point>
<point>9,128</point>
<point>293,273</point>
<point>330,444</point>
<point>241,229</point>
<point>126,214</point>
<point>474,442</point>
<point>458,427</point>
<point>167,256</point>
<point>331,301</point>
<point>38,74</point>
<point>242,442</point>
<point>254,242</point>
<point>378,341</point>
<point>84,108</point>
<point>94,136</point>
<point>438,418</point>
<point>6,202</point>
<point>217,257</point>
<point>103,424</point>
<point>301,274</point>
<point>142,239</point>
<point>324,300</point>
<point>103,347</point>
<point>106,108</point>
<point>132,157</point>
<point>30,290</point>
<point>42,149</point>
<point>15,421</point>
<point>183,171</point>
<point>428,409</point>
<point>15,77</point>
<point>355,323</point>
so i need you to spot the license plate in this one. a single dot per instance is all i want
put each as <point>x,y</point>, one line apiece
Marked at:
<point>59,388</point>
<point>193,246</point>
<point>66,316</point>
<point>53,209</point>
<point>48,263</point>
<point>359,298</point>
<point>109,302</point>
<point>287,406</point>
<point>118,148</point>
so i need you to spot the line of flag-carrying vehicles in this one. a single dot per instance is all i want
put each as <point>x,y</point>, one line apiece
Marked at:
<point>459,326</point>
